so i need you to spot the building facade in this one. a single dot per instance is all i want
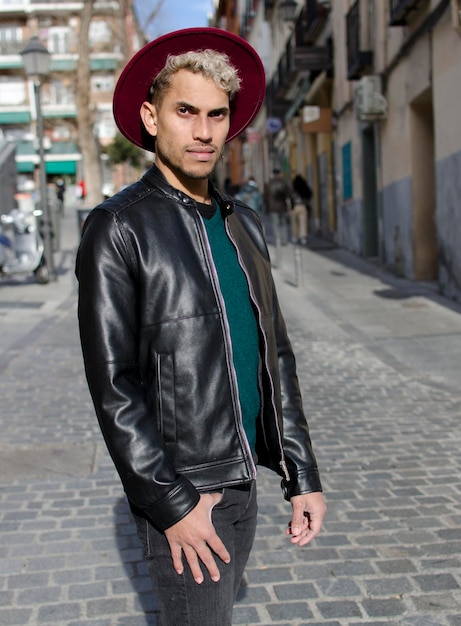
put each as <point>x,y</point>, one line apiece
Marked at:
<point>397,139</point>
<point>294,129</point>
<point>361,100</point>
<point>113,37</point>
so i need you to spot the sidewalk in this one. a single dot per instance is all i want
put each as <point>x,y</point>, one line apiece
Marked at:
<point>378,362</point>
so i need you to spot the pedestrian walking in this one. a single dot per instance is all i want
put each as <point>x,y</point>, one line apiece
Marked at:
<point>60,193</point>
<point>277,197</point>
<point>300,209</point>
<point>186,352</point>
<point>250,195</point>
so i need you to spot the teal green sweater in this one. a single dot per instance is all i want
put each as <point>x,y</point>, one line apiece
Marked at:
<point>241,319</point>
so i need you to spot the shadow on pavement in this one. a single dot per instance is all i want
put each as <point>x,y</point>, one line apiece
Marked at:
<point>130,550</point>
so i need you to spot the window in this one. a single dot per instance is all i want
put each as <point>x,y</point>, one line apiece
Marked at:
<point>10,33</point>
<point>102,83</point>
<point>105,126</point>
<point>99,32</point>
<point>347,171</point>
<point>60,93</point>
<point>12,91</point>
<point>11,41</point>
<point>58,40</point>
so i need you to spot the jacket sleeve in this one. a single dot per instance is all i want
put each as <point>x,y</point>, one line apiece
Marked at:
<point>108,320</point>
<point>299,456</point>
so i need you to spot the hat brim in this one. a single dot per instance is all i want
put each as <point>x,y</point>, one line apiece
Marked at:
<point>135,80</point>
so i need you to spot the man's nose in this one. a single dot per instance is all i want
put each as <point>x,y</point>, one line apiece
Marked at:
<point>202,128</point>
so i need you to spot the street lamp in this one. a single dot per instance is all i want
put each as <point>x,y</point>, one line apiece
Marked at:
<point>36,60</point>
<point>288,9</point>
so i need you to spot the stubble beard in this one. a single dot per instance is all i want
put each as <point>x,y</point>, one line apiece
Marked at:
<point>182,171</point>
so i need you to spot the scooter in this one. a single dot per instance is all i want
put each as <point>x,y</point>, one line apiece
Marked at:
<point>21,245</point>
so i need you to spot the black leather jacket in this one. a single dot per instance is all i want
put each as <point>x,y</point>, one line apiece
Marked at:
<point>158,356</point>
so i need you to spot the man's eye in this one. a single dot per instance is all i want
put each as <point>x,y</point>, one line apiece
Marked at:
<point>183,110</point>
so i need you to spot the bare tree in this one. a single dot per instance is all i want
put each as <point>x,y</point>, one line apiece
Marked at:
<point>89,145</point>
<point>152,15</point>
<point>88,141</point>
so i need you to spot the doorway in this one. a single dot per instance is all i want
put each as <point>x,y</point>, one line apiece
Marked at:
<point>370,241</point>
<point>425,248</point>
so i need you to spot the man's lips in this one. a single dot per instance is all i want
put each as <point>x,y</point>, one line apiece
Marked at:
<point>202,153</point>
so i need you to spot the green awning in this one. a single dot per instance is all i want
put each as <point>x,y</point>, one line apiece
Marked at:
<point>61,158</point>
<point>10,62</point>
<point>62,65</point>
<point>14,117</point>
<point>98,65</point>
<point>52,114</point>
<point>25,167</point>
<point>61,167</point>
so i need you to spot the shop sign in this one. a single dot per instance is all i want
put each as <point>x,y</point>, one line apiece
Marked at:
<point>273,124</point>
<point>317,120</point>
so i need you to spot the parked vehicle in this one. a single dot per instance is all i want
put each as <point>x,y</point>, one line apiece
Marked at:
<point>21,245</point>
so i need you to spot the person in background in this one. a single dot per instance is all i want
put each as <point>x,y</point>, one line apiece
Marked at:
<point>250,195</point>
<point>60,192</point>
<point>300,209</point>
<point>277,197</point>
<point>80,190</point>
<point>186,352</point>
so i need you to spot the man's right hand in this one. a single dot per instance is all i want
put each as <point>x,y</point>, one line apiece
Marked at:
<point>196,537</point>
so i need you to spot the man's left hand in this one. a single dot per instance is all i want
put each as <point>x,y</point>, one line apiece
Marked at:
<point>308,512</point>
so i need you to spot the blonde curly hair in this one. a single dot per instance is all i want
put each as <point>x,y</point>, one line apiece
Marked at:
<point>208,63</point>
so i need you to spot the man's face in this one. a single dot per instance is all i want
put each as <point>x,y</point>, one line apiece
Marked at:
<point>190,124</point>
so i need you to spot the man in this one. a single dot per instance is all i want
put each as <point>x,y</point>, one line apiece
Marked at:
<point>186,352</point>
<point>278,203</point>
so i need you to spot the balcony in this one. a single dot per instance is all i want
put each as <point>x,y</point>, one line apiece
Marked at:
<point>301,56</point>
<point>359,61</point>
<point>35,7</point>
<point>8,48</point>
<point>400,9</point>
<point>317,12</point>
<point>300,59</point>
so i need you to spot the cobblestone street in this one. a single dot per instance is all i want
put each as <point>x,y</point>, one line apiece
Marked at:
<point>379,364</point>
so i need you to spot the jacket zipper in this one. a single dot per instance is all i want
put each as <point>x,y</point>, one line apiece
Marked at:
<point>229,358</point>
<point>282,464</point>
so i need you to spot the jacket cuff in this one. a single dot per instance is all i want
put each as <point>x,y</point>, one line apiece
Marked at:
<point>173,507</point>
<point>298,485</point>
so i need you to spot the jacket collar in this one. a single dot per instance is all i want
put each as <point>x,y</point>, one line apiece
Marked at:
<point>154,178</point>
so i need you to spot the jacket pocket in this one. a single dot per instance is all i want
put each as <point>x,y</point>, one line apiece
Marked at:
<point>166,420</point>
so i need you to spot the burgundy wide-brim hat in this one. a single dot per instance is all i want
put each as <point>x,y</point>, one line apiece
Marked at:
<point>132,87</point>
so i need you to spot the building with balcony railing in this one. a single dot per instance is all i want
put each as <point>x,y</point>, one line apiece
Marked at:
<point>57,24</point>
<point>295,44</point>
<point>362,100</point>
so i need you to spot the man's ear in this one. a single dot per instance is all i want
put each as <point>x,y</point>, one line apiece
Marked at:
<point>149,117</point>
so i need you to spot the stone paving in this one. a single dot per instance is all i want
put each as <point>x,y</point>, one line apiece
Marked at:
<point>378,362</point>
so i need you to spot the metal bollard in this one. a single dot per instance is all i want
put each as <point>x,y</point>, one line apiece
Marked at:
<point>298,265</point>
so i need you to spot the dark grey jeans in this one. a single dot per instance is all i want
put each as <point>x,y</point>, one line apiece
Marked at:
<point>182,601</point>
